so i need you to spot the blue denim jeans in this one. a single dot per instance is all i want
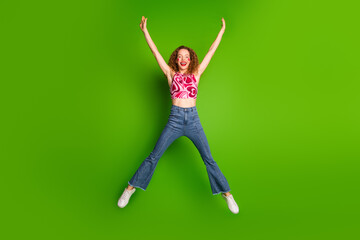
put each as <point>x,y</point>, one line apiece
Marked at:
<point>182,122</point>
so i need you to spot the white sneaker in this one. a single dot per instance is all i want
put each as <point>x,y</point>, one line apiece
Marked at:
<point>231,203</point>
<point>124,199</point>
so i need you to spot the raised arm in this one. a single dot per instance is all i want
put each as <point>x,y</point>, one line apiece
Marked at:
<point>212,49</point>
<point>163,65</point>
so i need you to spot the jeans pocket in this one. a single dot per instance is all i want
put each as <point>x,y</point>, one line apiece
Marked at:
<point>173,112</point>
<point>175,116</point>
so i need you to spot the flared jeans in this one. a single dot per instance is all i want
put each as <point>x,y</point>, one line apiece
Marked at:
<point>181,122</point>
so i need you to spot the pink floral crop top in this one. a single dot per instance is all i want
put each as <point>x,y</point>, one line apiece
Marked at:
<point>184,86</point>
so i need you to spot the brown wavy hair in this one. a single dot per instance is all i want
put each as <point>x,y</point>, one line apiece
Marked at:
<point>194,61</point>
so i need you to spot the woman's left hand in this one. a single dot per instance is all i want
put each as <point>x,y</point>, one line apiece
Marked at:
<point>223,23</point>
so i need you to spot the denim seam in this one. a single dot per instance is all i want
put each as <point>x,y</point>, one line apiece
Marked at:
<point>146,180</point>
<point>157,154</point>
<point>201,139</point>
<point>211,182</point>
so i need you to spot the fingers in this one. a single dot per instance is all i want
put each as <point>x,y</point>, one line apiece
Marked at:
<point>143,20</point>
<point>143,23</point>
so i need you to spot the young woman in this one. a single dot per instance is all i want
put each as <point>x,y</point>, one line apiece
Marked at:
<point>183,73</point>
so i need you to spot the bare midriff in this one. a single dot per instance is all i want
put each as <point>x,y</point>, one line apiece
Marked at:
<point>185,103</point>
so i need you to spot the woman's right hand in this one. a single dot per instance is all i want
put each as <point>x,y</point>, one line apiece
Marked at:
<point>143,23</point>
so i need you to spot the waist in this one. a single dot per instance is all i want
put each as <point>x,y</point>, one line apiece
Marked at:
<point>184,102</point>
<point>184,109</point>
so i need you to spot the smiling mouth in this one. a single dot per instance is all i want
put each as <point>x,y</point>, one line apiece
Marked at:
<point>183,64</point>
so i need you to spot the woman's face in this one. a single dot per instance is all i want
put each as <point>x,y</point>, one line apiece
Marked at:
<point>183,59</point>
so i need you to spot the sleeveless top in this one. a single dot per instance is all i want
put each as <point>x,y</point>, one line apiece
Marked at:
<point>184,86</point>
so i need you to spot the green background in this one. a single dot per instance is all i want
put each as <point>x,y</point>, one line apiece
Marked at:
<point>83,102</point>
